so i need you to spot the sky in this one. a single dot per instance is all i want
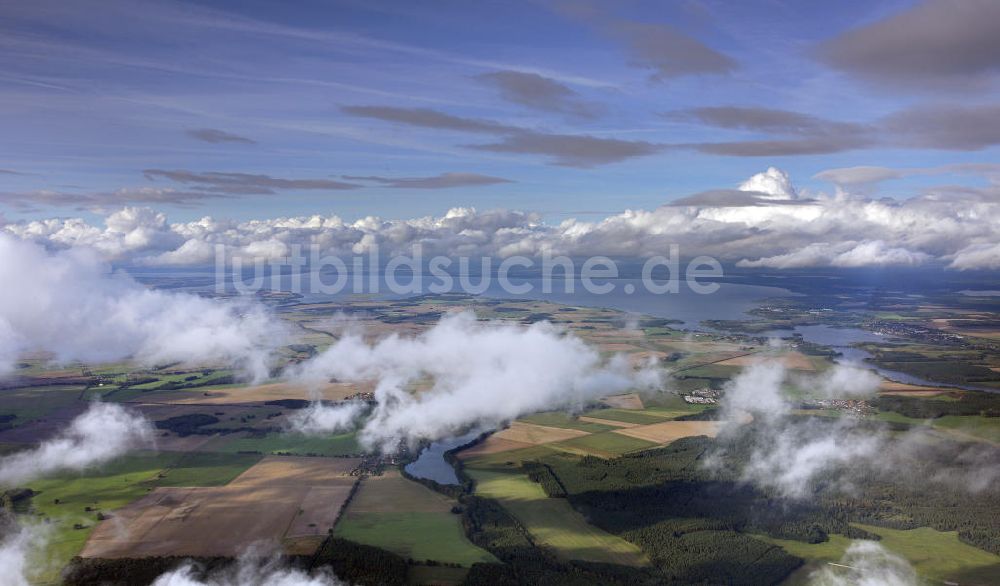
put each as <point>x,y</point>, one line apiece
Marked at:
<point>250,109</point>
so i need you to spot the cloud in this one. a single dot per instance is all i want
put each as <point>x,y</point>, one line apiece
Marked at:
<point>102,433</point>
<point>977,256</point>
<point>937,126</point>
<point>427,118</point>
<point>318,419</point>
<point>478,375</point>
<point>572,150</point>
<point>772,184</point>
<point>763,120</point>
<point>667,51</point>
<point>847,381</point>
<point>17,548</point>
<point>786,456</point>
<point>249,570</point>
<point>796,456</point>
<point>568,150</point>
<point>30,200</point>
<point>216,136</point>
<point>806,135</point>
<point>66,304</point>
<point>760,228</point>
<point>866,563</point>
<point>243,183</point>
<point>850,254</point>
<point>861,175</point>
<point>442,181</point>
<point>659,47</point>
<point>539,93</point>
<point>935,45</point>
<point>948,127</point>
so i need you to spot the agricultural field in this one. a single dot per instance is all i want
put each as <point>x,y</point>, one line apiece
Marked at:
<point>408,519</point>
<point>553,523</point>
<point>936,555</point>
<point>277,498</point>
<point>69,504</point>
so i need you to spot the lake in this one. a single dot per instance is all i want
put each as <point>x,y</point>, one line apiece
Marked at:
<point>430,464</point>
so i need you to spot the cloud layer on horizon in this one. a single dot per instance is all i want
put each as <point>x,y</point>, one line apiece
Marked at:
<point>765,223</point>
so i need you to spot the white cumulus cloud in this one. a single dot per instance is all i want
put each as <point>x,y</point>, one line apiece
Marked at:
<point>67,304</point>
<point>463,373</point>
<point>104,432</point>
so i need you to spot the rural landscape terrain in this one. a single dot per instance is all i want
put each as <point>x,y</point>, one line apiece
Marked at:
<point>648,486</point>
<point>499,293</point>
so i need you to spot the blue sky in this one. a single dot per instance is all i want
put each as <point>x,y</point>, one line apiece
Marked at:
<point>168,104</point>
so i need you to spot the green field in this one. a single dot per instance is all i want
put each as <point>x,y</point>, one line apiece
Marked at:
<point>606,445</point>
<point>416,535</point>
<point>553,522</point>
<point>31,403</point>
<point>116,485</point>
<point>565,421</point>
<point>962,427</point>
<point>628,416</point>
<point>408,519</point>
<point>293,444</point>
<point>937,555</point>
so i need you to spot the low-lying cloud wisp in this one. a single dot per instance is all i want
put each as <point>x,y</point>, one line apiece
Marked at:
<point>67,305</point>
<point>467,374</point>
<point>102,433</point>
<point>866,563</point>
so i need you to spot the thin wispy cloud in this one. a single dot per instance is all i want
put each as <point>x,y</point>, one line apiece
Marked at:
<point>215,136</point>
<point>540,93</point>
<point>243,183</point>
<point>568,150</point>
<point>661,48</point>
<point>442,181</point>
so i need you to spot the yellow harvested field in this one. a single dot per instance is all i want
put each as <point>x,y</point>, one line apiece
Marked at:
<point>626,401</point>
<point>529,433</point>
<point>669,431</point>
<point>275,499</point>
<point>791,360</point>
<point>491,445</point>
<point>607,422</point>
<point>889,387</point>
<point>258,394</point>
<point>297,471</point>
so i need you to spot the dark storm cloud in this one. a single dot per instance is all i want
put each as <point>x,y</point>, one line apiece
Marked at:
<point>938,44</point>
<point>427,118</point>
<point>540,93</point>
<point>946,127</point>
<point>442,181</point>
<point>216,136</point>
<point>568,150</point>
<point>243,183</point>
